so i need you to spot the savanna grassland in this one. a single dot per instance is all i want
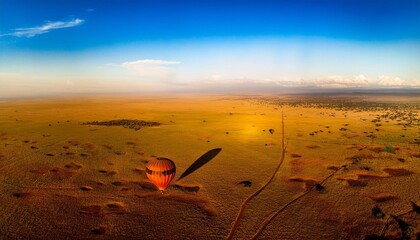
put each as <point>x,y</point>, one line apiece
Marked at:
<point>75,167</point>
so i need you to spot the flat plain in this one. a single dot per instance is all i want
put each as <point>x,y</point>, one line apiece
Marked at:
<point>63,176</point>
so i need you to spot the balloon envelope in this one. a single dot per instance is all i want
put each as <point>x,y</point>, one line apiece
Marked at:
<point>160,172</point>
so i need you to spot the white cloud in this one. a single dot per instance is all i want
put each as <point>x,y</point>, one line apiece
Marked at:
<point>342,81</point>
<point>334,81</point>
<point>391,81</point>
<point>149,62</point>
<point>48,26</point>
<point>28,84</point>
<point>151,69</point>
<point>360,81</point>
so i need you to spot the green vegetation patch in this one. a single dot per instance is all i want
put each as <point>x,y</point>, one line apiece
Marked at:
<point>127,123</point>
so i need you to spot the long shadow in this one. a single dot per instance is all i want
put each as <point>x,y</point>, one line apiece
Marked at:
<point>205,158</point>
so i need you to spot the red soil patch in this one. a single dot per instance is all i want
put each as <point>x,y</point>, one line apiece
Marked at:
<point>313,146</point>
<point>304,180</point>
<point>108,172</point>
<point>107,146</point>
<point>356,183</point>
<point>141,171</point>
<point>360,157</point>
<point>370,176</point>
<point>40,171</point>
<point>146,185</point>
<point>349,135</point>
<point>85,154</point>
<point>73,166</point>
<point>115,208</point>
<point>187,188</point>
<point>86,188</point>
<point>99,231</point>
<point>89,146</point>
<point>73,143</point>
<point>376,149</point>
<point>99,183</point>
<point>383,197</point>
<point>108,208</point>
<point>335,168</point>
<point>61,174</point>
<point>397,172</point>
<point>92,209</point>
<point>23,195</point>
<point>118,183</point>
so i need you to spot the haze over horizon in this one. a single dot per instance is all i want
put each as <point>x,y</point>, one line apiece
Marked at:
<point>74,47</point>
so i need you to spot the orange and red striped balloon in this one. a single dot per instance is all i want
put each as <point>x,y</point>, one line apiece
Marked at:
<point>160,172</point>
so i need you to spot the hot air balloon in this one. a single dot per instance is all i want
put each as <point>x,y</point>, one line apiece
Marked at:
<point>160,172</point>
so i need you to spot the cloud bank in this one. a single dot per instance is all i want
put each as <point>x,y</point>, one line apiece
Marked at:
<point>157,76</point>
<point>47,27</point>
<point>361,81</point>
<point>328,82</point>
<point>151,69</point>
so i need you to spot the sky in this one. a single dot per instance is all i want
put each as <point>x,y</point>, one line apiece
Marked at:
<point>120,46</point>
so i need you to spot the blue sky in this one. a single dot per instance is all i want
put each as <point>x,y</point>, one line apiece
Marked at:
<point>54,47</point>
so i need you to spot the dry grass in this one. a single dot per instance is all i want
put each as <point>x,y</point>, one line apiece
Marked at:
<point>46,164</point>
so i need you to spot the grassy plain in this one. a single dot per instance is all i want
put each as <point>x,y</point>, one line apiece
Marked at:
<point>63,179</point>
